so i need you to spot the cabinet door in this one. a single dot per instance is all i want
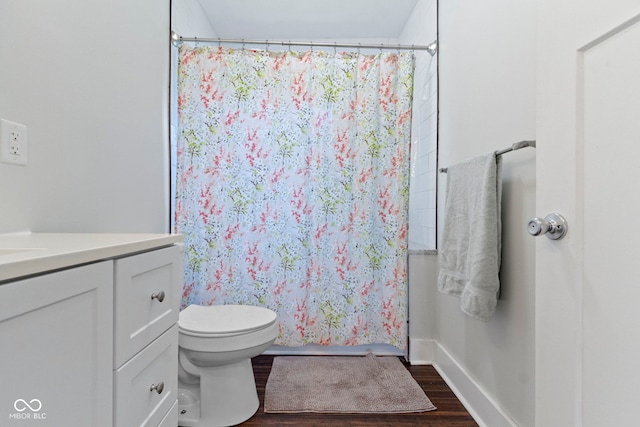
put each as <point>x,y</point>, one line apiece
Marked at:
<point>147,299</point>
<point>55,348</point>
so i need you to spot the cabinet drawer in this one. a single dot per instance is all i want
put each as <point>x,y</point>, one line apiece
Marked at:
<point>135,403</point>
<point>139,318</point>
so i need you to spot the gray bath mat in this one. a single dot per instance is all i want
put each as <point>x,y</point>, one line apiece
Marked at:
<point>343,384</point>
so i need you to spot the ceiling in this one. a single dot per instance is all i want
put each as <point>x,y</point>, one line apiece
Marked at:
<point>308,19</point>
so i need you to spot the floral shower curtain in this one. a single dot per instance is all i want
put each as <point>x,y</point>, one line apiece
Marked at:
<point>292,188</point>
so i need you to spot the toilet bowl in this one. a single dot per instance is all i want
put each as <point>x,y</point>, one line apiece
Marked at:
<point>215,376</point>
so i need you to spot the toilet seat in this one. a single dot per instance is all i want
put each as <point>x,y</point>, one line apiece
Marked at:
<point>224,320</point>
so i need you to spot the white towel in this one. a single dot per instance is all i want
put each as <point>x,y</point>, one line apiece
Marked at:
<point>469,254</point>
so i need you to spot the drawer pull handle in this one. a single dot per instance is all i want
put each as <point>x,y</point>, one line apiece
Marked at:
<point>157,387</point>
<point>159,296</point>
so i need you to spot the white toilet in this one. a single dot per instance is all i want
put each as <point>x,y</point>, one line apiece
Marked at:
<point>215,376</point>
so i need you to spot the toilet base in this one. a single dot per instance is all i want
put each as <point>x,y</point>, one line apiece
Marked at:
<point>225,396</point>
<point>188,405</point>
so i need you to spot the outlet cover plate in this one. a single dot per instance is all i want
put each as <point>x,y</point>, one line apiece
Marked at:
<point>13,142</point>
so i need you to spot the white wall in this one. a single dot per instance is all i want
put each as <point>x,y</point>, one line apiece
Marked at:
<point>487,102</point>
<point>90,80</point>
<point>189,20</point>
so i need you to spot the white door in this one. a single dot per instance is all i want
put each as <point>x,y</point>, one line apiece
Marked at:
<point>588,169</point>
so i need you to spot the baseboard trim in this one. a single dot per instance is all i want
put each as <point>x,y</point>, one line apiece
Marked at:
<point>480,405</point>
<point>422,352</point>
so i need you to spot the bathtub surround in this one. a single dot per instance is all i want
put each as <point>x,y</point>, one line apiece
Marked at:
<point>421,28</point>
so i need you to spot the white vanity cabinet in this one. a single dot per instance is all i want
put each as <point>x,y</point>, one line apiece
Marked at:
<point>147,300</point>
<point>88,330</point>
<point>56,335</point>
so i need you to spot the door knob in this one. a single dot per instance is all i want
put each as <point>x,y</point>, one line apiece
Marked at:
<point>554,226</point>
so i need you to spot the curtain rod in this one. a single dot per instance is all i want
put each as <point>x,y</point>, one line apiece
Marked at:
<point>431,48</point>
<point>516,146</point>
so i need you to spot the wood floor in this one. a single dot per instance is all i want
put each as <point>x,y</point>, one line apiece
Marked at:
<point>450,412</point>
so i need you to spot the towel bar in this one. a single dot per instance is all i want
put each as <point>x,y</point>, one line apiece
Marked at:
<point>516,146</point>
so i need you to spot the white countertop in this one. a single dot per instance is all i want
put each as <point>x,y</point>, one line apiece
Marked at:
<point>24,254</point>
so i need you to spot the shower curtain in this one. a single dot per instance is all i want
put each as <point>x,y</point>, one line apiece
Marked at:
<point>292,188</point>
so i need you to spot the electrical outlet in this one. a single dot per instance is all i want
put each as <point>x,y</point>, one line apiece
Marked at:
<point>13,142</point>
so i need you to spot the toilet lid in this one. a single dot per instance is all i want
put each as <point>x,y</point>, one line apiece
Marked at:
<point>225,319</point>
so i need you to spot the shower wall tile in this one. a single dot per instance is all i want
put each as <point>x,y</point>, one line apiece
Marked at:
<point>422,192</point>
